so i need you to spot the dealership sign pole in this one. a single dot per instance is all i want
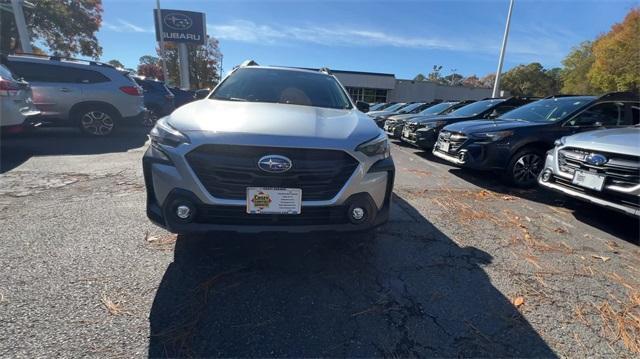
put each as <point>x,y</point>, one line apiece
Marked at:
<point>496,85</point>
<point>164,63</point>
<point>181,27</point>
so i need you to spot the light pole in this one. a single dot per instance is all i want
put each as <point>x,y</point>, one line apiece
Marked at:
<point>496,85</point>
<point>23,32</point>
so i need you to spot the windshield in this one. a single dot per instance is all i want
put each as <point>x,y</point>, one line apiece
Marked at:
<point>410,107</point>
<point>282,86</point>
<point>5,73</point>
<point>475,108</point>
<point>395,107</point>
<point>437,109</point>
<point>376,106</point>
<point>549,110</point>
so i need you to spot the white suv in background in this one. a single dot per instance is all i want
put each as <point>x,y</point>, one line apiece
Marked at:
<point>91,95</point>
<point>16,105</point>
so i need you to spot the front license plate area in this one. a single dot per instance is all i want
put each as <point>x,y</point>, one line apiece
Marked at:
<point>269,200</point>
<point>443,146</point>
<point>588,180</point>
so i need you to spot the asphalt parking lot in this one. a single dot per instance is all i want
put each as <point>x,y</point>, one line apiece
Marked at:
<point>466,267</point>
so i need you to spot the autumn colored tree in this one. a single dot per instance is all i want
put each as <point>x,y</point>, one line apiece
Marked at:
<point>66,27</point>
<point>616,65</point>
<point>576,68</point>
<point>204,63</point>
<point>488,80</point>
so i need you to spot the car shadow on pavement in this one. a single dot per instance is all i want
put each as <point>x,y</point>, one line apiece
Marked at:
<point>405,289</point>
<point>17,149</point>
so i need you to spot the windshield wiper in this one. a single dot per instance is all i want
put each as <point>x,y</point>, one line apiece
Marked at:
<point>231,99</point>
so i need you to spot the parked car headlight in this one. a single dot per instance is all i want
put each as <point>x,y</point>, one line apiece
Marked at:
<point>164,134</point>
<point>560,142</point>
<point>375,147</point>
<point>492,136</point>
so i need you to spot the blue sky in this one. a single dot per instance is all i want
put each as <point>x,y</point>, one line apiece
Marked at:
<point>400,37</point>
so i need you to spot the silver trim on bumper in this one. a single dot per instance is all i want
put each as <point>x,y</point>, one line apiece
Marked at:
<point>447,157</point>
<point>587,198</point>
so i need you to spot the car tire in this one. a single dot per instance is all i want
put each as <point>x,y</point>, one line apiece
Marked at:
<point>524,167</point>
<point>96,121</point>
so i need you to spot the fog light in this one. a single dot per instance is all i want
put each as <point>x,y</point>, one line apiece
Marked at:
<point>546,175</point>
<point>183,212</point>
<point>357,213</point>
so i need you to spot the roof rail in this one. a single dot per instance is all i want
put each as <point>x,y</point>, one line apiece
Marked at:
<point>249,63</point>
<point>60,58</point>
<point>622,95</point>
<point>325,70</point>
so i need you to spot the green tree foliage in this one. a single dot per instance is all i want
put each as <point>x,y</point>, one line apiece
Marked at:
<point>531,80</point>
<point>616,65</point>
<point>204,64</point>
<point>435,74</point>
<point>66,27</point>
<point>115,63</point>
<point>576,68</point>
<point>419,77</point>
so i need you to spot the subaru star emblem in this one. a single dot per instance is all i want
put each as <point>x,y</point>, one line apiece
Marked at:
<point>596,159</point>
<point>178,21</point>
<point>274,164</point>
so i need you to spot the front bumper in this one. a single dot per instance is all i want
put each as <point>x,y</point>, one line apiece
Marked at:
<point>625,200</point>
<point>169,182</point>
<point>474,155</point>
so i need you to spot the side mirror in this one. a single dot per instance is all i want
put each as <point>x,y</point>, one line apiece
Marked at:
<point>200,94</point>
<point>493,114</point>
<point>362,106</point>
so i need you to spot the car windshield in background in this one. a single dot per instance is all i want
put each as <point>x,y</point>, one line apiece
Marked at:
<point>549,110</point>
<point>283,86</point>
<point>410,107</point>
<point>475,108</point>
<point>394,108</point>
<point>436,109</point>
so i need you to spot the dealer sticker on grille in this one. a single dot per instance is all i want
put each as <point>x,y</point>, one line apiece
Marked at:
<point>270,200</point>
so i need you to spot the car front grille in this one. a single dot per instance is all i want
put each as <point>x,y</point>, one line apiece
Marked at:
<point>620,170</point>
<point>227,170</point>
<point>455,139</point>
<point>234,215</point>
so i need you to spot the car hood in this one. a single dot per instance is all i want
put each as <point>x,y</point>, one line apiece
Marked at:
<point>489,125</point>
<point>431,118</point>
<point>241,119</point>
<point>618,140</point>
<point>380,113</point>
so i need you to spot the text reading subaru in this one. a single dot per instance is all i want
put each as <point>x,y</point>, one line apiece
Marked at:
<point>270,149</point>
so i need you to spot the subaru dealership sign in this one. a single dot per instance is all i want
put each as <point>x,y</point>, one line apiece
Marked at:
<point>181,26</point>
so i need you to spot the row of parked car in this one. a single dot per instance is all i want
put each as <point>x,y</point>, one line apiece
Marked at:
<point>585,147</point>
<point>38,90</point>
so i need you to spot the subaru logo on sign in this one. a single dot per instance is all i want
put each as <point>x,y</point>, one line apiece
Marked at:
<point>596,159</point>
<point>274,164</point>
<point>178,21</point>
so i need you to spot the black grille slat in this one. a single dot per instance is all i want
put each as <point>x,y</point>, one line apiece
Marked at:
<point>227,170</point>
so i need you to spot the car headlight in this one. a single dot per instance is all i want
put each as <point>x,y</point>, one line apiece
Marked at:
<point>375,147</point>
<point>164,134</point>
<point>492,136</point>
<point>560,142</point>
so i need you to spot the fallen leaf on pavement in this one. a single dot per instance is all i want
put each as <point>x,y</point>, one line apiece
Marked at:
<point>508,198</point>
<point>560,230</point>
<point>603,258</point>
<point>518,302</point>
